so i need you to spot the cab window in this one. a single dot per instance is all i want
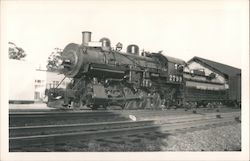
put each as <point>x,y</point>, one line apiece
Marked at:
<point>176,66</point>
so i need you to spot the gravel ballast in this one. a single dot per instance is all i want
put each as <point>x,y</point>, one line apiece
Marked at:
<point>220,138</point>
<point>224,138</point>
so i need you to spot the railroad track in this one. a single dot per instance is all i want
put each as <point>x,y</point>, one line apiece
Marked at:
<point>52,117</point>
<point>16,132</point>
<point>32,118</point>
<point>39,136</point>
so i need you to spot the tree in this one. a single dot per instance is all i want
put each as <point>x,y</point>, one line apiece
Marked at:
<point>55,60</point>
<point>16,52</point>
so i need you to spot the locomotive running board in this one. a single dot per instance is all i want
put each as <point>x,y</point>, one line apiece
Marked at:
<point>119,99</point>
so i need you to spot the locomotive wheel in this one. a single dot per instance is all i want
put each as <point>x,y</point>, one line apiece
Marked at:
<point>94,107</point>
<point>156,101</point>
<point>128,105</point>
<point>144,103</point>
<point>76,105</point>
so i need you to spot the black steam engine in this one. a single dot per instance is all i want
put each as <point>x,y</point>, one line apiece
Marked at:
<point>103,76</point>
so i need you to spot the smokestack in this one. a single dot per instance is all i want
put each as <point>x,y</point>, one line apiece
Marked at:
<point>86,37</point>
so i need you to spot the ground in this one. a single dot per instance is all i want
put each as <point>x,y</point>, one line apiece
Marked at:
<point>222,138</point>
<point>226,137</point>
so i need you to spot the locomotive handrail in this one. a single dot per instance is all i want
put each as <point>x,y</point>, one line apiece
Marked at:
<point>60,82</point>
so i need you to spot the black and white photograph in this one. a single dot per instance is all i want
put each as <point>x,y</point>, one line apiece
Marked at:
<point>125,80</point>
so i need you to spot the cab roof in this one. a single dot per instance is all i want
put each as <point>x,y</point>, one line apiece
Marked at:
<point>169,58</point>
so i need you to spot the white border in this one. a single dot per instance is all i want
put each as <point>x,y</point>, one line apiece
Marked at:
<point>230,156</point>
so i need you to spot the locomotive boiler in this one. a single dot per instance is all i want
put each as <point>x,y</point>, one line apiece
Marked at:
<point>103,76</point>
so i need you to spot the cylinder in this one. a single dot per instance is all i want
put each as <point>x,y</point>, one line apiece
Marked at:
<point>86,37</point>
<point>133,49</point>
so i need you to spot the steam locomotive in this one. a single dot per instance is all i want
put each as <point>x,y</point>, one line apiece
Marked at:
<point>103,76</point>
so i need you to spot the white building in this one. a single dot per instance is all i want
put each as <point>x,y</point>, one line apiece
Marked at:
<point>40,84</point>
<point>27,84</point>
<point>45,80</point>
<point>21,77</point>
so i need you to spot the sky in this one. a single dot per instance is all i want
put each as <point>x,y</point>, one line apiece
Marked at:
<point>213,30</point>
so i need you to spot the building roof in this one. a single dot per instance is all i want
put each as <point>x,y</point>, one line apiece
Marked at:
<point>222,68</point>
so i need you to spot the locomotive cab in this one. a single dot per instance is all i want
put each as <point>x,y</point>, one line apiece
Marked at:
<point>174,67</point>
